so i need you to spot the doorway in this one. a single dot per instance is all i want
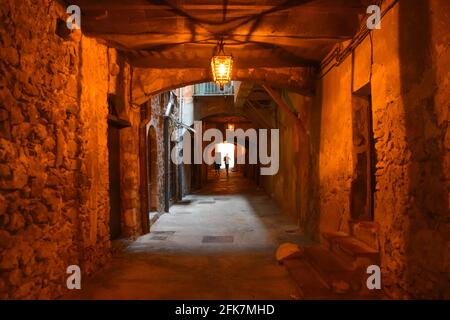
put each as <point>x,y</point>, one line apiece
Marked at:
<point>115,124</point>
<point>363,182</point>
<point>114,180</point>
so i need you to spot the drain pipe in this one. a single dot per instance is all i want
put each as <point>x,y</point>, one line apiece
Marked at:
<point>167,153</point>
<point>180,165</point>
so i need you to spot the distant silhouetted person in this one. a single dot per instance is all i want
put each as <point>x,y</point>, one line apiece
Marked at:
<point>217,164</point>
<point>227,162</point>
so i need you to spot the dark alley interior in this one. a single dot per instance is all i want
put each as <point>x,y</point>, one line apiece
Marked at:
<point>224,150</point>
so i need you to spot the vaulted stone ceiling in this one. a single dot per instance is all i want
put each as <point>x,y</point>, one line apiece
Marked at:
<point>259,33</point>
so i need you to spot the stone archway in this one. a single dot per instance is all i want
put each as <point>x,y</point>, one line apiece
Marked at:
<point>148,175</point>
<point>147,82</point>
<point>152,178</point>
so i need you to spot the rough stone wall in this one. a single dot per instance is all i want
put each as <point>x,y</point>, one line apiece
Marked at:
<point>133,141</point>
<point>300,157</point>
<point>157,105</point>
<point>410,96</point>
<point>93,183</point>
<point>282,187</point>
<point>130,177</point>
<point>53,155</point>
<point>290,186</point>
<point>130,171</point>
<point>335,149</point>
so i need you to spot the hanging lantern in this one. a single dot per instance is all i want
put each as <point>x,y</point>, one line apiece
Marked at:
<point>221,66</point>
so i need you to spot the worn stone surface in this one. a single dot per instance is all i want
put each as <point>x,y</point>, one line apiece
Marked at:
<point>410,97</point>
<point>335,149</point>
<point>292,185</point>
<point>157,105</point>
<point>242,269</point>
<point>411,114</point>
<point>135,182</point>
<point>54,201</point>
<point>148,81</point>
<point>53,153</point>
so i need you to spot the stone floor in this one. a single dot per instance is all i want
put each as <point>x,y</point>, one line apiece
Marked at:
<point>218,243</point>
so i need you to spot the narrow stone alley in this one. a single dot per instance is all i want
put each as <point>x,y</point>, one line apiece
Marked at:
<point>218,243</point>
<point>332,117</point>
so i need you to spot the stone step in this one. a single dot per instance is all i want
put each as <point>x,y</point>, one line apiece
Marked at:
<point>319,274</point>
<point>331,236</point>
<point>154,216</point>
<point>354,253</point>
<point>365,231</point>
<point>334,272</point>
<point>309,283</point>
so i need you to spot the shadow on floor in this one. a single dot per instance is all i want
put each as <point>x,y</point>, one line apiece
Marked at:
<point>219,243</point>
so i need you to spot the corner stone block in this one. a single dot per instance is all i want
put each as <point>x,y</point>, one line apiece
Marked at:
<point>130,218</point>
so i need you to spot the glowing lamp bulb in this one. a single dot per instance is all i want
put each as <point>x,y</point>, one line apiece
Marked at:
<point>221,69</point>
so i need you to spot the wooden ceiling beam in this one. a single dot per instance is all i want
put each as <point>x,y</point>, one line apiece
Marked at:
<point>276,97</point>
<point>295,24</point>
<point>259,33</point>
<point>141,41</point>
<point>259,96</point>
<point>148,82</point>
<point>241,92</point>
<point>241,62</point>
<point>251,109</point>
<point>120,5</point>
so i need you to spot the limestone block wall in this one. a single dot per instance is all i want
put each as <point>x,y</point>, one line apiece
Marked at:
<point>157,105</point>
<point>53,151</point>
<point>410,96</point>
<point>130,170</point>
<point>134,144</point>
<point>291,187</point>
<point>283,186</point>
<point>335,148</point>
<point>300,155</point>
<point>93,155</point>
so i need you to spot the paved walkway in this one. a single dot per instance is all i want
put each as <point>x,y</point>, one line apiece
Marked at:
<point>219,243</point>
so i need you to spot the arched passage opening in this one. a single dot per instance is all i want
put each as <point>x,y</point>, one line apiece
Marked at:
<point>250,107</point>
<point>363,167</point>
<point>152,164</point>
<point>226,149</point>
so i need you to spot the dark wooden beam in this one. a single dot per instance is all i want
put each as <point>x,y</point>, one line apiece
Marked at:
<point>148,82</point>
<point>280,102</point>
<point>124,5</point>
<point>300,23</point>
<point>241,92</point>
<point>242,62</point>
<point>183,34</point>
<point>261,118</point>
